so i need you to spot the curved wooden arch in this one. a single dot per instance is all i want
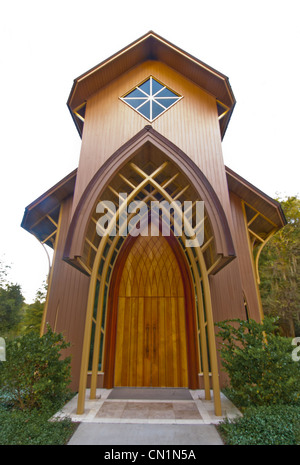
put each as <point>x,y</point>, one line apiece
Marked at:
<point>197,284</point>
<point>192,269</point>
<point>74,245</point>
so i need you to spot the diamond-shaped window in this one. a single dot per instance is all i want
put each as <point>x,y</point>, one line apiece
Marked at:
<point>151,98</point>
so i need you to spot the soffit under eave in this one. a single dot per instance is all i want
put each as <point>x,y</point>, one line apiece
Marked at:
<point>41,216</point>
<point>253,196</point>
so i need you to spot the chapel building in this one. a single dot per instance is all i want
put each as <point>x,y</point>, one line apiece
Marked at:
<point>138,280</point>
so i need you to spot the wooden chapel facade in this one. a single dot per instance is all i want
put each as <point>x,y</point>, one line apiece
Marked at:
<point>139,310</point>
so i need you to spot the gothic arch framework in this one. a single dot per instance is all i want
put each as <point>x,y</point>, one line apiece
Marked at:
<point>146,170</point>
<point>147,138</point>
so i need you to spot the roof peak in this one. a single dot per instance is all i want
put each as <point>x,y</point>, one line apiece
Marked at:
<point>151,46</point>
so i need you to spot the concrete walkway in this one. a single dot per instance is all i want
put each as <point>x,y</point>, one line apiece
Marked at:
<point>115,418</point>
<point>145,434</point>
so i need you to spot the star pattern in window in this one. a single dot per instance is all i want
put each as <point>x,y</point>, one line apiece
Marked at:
<point>151,98</point>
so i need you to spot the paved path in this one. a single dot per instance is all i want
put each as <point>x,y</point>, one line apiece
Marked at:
<point>162,418</point>
<point>145,434</point>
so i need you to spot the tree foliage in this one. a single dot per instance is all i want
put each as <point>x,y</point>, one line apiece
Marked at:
<point>16,316</point>
<point>279,266</point>
<point>11,304</point>
<point>33,313</point>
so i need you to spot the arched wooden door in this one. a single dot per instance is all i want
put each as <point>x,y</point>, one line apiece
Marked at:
<point>151,341</point>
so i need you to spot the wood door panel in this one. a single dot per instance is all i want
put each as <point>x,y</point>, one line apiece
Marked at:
<point>161,321</point>
<point>140,343</point>
<point>183,340</point>
<point>151,329</point>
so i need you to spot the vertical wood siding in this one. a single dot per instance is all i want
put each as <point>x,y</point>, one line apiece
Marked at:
<point>68,298</point>
<point>244,258</point>
<point>192,124</point>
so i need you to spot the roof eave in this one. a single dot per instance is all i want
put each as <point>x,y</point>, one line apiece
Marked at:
<point>56,193</point>
<point>257,192</point>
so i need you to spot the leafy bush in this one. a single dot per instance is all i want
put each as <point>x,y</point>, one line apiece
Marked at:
<point>268,425</point>
<point>34,374</point>
<point>259,363</point>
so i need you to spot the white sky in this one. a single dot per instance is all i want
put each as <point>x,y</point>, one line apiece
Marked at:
<point>45,45</point>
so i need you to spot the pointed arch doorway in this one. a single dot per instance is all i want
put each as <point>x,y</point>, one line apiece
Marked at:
<point>152,341</point>
<point>149,171</point>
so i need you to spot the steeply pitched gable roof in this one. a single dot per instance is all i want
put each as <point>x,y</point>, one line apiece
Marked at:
<point>151,47</point>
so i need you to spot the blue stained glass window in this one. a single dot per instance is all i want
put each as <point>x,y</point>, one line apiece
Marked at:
<point>145,109</point>
<point>135,102</point>
<point>156,86</point>
<point>135,93</point>
<point>151,98</point>
<point>166,102</point>
<point>145,86</point>
<point>165,93</point>
<point>156,110</point>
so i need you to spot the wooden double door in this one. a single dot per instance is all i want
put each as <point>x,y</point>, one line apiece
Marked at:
<point>151,336</point>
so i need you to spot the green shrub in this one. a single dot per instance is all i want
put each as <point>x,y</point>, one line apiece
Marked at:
<point>33,428</point>
<point>268,425</point>
<point>259,363</point>
<point>34,375</point>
